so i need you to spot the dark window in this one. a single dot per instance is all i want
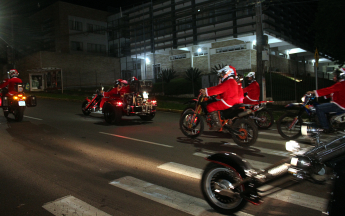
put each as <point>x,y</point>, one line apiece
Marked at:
<point>76,46</point>
<point>96,48</point>
<point>75,25</point>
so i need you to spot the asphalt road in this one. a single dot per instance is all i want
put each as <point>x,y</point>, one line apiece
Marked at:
<point>59,162</point>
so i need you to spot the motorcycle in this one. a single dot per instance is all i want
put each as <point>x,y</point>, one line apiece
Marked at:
<point>262,116</point>
<point>289,124</point>
<point>229,182</point>
<point>88,106</point>
<point>16,103</point>
<point>235,120</point>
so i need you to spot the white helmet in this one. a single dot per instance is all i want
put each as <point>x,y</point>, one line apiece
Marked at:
<point>251,74</point>
<point>226,72</point>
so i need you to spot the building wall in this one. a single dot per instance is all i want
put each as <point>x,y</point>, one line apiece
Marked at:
<point>77,70</point>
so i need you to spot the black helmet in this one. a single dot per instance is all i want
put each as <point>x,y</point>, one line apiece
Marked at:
<point>339,73</point>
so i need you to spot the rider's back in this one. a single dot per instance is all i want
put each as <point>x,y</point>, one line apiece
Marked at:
<point>11,83</point>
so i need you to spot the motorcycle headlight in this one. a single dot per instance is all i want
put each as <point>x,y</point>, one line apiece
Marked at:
<point>292,146</point>
<point>303,99</point>
<point>145,95</point>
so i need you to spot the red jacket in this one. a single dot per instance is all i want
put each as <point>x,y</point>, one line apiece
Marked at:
<point>228,92</point>
<point>337,91</point>
<point>253,90</point>
<point>240,93</point>
<point>11,84</point>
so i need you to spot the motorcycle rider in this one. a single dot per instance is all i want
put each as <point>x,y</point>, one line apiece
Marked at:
<point>252,90</point>
<point>11,82</point>
<point>228,94</point>
<point>116,90</point>
<point>337,104</point>
<point>240,89</point>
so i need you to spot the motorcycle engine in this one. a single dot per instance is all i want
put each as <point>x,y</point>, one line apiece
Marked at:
<point>338,121</point>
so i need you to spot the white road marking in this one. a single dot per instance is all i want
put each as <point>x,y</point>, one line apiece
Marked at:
<point>33,118</point>
<point>153,143</point>
<point>71,206</point>
<point>173,199</point>
<point>263,150</point>
<point>255,164</point>
<point>285,195</point>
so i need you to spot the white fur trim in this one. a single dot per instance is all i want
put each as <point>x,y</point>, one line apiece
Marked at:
<point>225,103</point>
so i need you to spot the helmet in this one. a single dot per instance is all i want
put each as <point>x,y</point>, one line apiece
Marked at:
<point>226,72</point>
<point>251,74</point>
<point>339,73</point>
<point>124,82</point>
<point>13,73</point>
<point>133,79</point>
<point>117,82</point>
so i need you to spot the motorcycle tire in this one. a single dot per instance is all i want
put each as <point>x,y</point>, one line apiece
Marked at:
<point>267,119</point>
<point>283,124</point>
<point>6,113</point>
<point>191,129</point>
<point>19,113</point>
<point>148,117</point>
<point>118,115</point>
<point>216,176</point>
<point>186,109</point>
<point>109,113</point>
<point>83,105</point>
<point>249,132</point>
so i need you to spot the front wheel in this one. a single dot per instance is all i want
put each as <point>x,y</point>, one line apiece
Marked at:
<point>83,105</point>
<point>217,177</point>
<point>248,130</point>
<point>191,124</point>
<point>264,118</point>
<point>289,126</point>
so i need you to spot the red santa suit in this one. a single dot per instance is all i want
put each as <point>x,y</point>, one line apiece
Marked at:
<point>228,92</point>
<point>240,93</point>
<point>11,84</point>
<point>337,92</point>
<point>253,90</point>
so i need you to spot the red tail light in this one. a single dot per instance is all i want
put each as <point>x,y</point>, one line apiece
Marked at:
<point>118,103</point>
<point>154,102</point>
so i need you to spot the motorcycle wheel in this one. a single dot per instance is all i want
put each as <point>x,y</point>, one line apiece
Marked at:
<point>266,117</point>
<point>109,113</point>
<point>118,115</point>
<point>84,104</point>
<point>19,114</point>
<point>216,176</point>
<point>148,117</point>
<point>283,124</point>
<point>191,124</point>
<point>249,132</point>
<point>6,113</point>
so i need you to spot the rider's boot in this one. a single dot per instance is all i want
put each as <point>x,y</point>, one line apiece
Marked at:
<point>216,125</point>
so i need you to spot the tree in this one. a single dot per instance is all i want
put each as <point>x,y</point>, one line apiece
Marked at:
<point>168,74</point>
<point>193,74</point>
<point>328,28</point>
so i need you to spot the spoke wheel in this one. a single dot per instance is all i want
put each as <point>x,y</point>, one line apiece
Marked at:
<point>248,130</point>
<point>191,124</point>
<point>289,126</point>
<point>265,120</point>
<point>216,177</point>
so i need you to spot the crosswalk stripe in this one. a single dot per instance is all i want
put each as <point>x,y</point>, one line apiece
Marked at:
<point>255,164</point>
<point>262,150</point>
<point>173,199</point>
<point>285,195</point>
<point>71,206</point>
<point>270,134</point>
<point>138,140</point>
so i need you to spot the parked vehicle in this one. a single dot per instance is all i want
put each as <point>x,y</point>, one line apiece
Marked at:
<point>262,116</point>
<point>234,120</point>
<point>289,124</point>
<point>93,105</point>
<point>16,103</point>
<point>229,182</point>
<point>136,103</point>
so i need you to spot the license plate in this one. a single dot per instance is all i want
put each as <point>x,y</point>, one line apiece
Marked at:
<point>21,103</point>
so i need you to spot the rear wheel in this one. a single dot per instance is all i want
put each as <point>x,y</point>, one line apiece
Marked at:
<point>248,130</point>
<point>109,113</point>
<point>118,115</point>
<point>265,118</point>
<point>191,124</point>
<point>19,114</point>
<point>217,177</point>
<point>289,126</point>
<point>83,105</point>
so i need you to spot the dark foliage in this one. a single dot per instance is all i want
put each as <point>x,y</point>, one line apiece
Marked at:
<point>167,75</point>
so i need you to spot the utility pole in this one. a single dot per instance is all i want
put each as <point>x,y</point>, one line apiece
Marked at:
<point>259,47</point>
